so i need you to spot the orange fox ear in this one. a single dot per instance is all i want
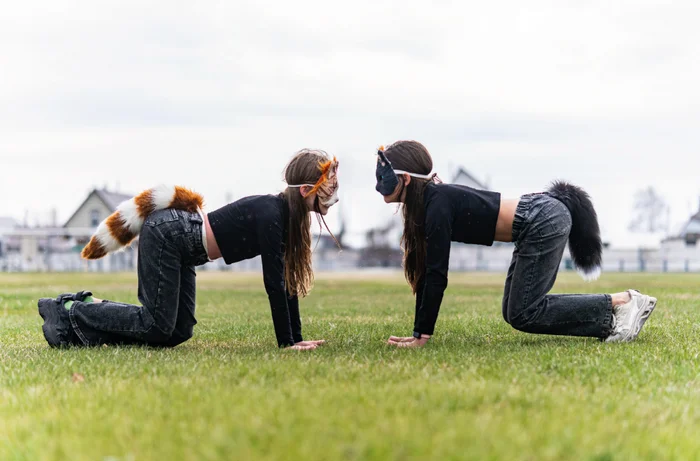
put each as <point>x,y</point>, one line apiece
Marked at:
<point>325,167</point>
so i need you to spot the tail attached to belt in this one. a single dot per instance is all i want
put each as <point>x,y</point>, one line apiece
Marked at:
<point>124,225</point>
<point>584,240</point>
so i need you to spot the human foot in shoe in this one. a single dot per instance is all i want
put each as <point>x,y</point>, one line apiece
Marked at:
<point>630,317</point>
<point>57,328</point>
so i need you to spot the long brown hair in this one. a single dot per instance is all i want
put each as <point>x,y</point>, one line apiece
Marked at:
<point>413,157</point>
<point>298,272</point>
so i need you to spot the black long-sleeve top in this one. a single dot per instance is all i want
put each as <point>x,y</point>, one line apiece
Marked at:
<point>453,213</point>
<point>253,226</point>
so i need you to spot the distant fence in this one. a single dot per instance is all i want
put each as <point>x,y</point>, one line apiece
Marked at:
<point>470,258</point>
<point>463,258</point>
<point>621,265</point>
<point>126,262</point>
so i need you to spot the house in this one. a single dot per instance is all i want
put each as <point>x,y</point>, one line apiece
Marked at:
<point>691,231</point>
<point>689,234</point>
<point>99,204</point>
<point>7,225</point>
<point>58,248</point>
<point>682,252</point>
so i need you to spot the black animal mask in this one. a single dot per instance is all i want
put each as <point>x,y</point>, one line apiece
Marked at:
<point>386,176</point>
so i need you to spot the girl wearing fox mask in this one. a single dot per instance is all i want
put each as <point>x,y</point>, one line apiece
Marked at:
<point>176,236</point>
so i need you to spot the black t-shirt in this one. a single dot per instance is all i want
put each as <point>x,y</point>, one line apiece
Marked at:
<point>253,226</point>
<point>453,213</point>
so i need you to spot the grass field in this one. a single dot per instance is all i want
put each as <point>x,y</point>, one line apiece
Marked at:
<point>480,390</point>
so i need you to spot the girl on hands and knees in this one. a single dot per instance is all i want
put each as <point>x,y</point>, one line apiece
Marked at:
<point>176,235</point>
<point>540,225</point>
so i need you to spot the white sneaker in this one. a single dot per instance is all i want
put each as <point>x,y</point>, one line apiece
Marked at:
<point>629,318</point>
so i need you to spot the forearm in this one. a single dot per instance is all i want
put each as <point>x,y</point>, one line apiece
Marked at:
<point>295,318</point>
<point>427,313</point>
<point>281,319</point>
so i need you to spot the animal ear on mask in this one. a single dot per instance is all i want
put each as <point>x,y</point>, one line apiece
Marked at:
<point>382,157</point>
<point>386,177</point>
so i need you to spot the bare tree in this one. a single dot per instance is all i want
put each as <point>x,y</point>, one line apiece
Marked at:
<point>651,212</point>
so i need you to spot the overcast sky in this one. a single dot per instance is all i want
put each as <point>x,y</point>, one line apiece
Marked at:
<point>218,96</point>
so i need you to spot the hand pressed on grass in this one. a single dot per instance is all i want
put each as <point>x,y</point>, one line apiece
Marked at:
<point>313,342</point>
<point>297,347</point>
<point>307,345</point>
<point>401,339</point>
<point>408,341</point>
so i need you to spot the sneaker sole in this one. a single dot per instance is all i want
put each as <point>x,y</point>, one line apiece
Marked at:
<point>640,318</point>
<point>47,311</point>
<point>647,313</point>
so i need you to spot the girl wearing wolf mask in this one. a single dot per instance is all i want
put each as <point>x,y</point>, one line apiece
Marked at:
<point>176,236</point>
<point>540,225</point>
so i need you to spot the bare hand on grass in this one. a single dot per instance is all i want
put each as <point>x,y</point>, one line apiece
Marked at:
<point>401,339</point>
<point>299,347</point>
<point>312,342</point>
<point>407,342</point>
<point>307,345</point>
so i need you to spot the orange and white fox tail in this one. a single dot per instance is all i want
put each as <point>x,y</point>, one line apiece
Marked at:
<point>124,225</point>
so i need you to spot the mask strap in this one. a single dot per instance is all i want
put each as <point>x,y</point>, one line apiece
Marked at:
<point>321,219</point>
<point>415,175</point>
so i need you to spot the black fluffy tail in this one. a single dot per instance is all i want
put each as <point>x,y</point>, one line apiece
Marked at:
<point>584,240</point>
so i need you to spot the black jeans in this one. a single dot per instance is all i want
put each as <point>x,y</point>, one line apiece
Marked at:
<point>170,246</point>
<point>540,232</point>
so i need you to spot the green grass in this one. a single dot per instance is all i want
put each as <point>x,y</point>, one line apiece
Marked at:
<point>480,390</point>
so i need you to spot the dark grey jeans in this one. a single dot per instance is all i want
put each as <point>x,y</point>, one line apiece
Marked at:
<point>540,232</point>
<point>170,246</point>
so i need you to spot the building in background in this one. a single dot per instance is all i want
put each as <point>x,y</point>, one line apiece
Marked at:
<point>691,231</point>
<point>99,204</point>
<point>7,226</point>
<point>682,252</point>
<point>53,248</point>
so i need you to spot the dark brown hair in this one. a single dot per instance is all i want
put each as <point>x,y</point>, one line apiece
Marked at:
<point>302,169</point>
<point>413,157</point>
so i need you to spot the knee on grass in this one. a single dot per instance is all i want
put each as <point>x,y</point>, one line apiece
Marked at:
<point>171,337</point>
<point>522,321</point>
